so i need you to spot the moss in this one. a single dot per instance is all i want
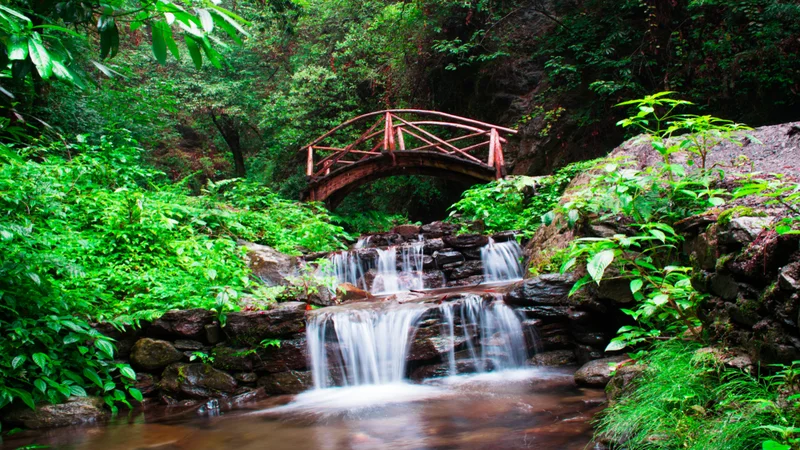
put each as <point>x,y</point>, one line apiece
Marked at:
<point>726,216</point>
<point>550,261</point>
<point>722,261</point>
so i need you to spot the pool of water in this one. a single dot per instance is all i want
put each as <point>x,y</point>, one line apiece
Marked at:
<point>533,408</point>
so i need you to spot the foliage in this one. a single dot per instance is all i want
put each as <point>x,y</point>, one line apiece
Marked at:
<point>686,398</point>
<point>502,205</point>
<point>777,191</point>
<point>90,233</point>
<point>371,221</point>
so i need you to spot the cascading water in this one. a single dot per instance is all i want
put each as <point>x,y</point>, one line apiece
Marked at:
<point>349,267</point>
<point>501,261</point>
<point>371,344</point>
<point>502,344</point>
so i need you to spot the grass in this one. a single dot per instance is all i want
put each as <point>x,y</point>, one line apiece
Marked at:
<point>688,400</point>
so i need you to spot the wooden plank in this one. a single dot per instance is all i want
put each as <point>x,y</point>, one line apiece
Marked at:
<point>438,139</point>
<point>492,146</point>
<point>310,162</point>
<point>450,140</point>
<point>400,139</point>
<point>436,146</point>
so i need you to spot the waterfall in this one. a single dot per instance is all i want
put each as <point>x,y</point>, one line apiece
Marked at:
<point>362,242</point>
<point>371,344</point>
<point>347,267</point>
<point>501,261</point>
<point>502,344</point>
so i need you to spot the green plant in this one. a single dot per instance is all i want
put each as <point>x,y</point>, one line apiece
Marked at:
<point>202,356</point>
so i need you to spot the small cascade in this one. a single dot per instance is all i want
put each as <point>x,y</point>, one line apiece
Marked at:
<point>362,242</point>
<point>347,267</point>
<point>502,343</point>
<point>371,344</point>
<point>501,261</point>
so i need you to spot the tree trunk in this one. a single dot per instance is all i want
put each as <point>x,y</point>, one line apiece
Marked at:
<point>230,133</point>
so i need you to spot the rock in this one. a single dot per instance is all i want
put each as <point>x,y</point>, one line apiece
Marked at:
<point>744,230</point>
<point>150,354</point>
<point>289,355</point>
<point>425,348</point>
<point>187,344</point>
<point>622,380</point>
<point>124,338</point>
<point>409,232</point>
<point>145,383</point>
<point>585,353</point>
<point>616,290</point>
<point>75,411</point>
<point>789,278</point>
<point>595,339</point>
<point>347,291</point>
<point>246,377</point>
<point>386,239</point>
<point>505,236</point>
<point>554,358</point>
<point>447,257</point>
<point>182,324</point>
<point>212,333</point>
<point>472,253</point>
<point>597,373</point>
<point>196,381</point>
<point>433,279</point>
<point>270,265</point>
<point>545,312</point>
<point>432,245</point>
<point>282,383</point>
<point>437,229</point>
<point>549,289</point>
<point>232,359</point>
<point>252,327</point>
<point>730,358</point>
<point>320,296</point>
<point>469,281</point>
<point>428,262</point>
<point>468,269</point>
<point>725,286</point>
<point>466,241</point>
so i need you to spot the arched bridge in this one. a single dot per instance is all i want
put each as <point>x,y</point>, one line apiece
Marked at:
<point>402,142</point>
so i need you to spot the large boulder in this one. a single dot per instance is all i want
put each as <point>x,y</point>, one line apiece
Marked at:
<point>549,289</point>
<point>553,358</point>
<point>251,327</point>
<point>151,354</point>
<point>744,230</point>
<point>443,258</point>
<point>75,411</point>
<point>196,381</point>
<point>409,232</point>
<point>290,354</point>
<point>437,229</point>
<point>183,324</point>
<point>468,269</point>
<point>597,373</point>
<point>270,265</point>
<point>466,240</point>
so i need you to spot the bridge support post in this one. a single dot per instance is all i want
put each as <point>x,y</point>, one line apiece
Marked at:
<point>310,162</point>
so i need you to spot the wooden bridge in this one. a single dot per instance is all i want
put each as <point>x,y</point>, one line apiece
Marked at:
<point>402,142</point>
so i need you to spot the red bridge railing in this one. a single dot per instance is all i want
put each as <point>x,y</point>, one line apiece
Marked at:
<point>407,130</point>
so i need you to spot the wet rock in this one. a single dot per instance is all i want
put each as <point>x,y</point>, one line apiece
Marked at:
<point>151,354</point>
<point>320,296</point>
<point>466,241</point>
<point>447,257</point>
<point>437,229</point>
<point>347,291</point>
<point>252,327</point>
<point>468,269</point>
<point>744,230</point>
<point>75,411</point>
<point>187,344</point>
<point>212,333</point>
<point>232,359</point>
<point>443,369</point>
<point>597,373</point>
<point>789,278</point>
<point>182,324</point>
<point>386,239</point>
<point>725,286</point>
<point>145,383</point>
<point>585,353</point>
<point>623,380</point>
<point>409,232</point>
<point>579,317</point>
<point>282,383</point>
<point>593,338</point>
<point>553,358</point>
<point>246,377</point>
<point>433,279</point>
<point>428,262</point>
<point>549,289</point>
<point>616,290</point>
<point>124,338</point>
<point>291,354</point>
<point>505,236</point>
<point>196,381</point>
<point>270,265</point>
<point>425,348</point>
<point>472,253</point>
<point>550,313</point>
<point>431,246</point>
<point>469,281</point>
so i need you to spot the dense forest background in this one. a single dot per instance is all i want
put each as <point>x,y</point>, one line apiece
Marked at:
<point>554,69</point>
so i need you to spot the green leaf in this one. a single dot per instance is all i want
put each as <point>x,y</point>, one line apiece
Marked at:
<point>77,391</point>
<point>109,35</point>
<point>109,385</point>
<point>93,377</point>
<point>136,394</point>
<point>24,396</point>
<point>597,264</point>
<point>18,361</point>
<point>40,57</point>
<point>159,41</point>
<point>105,346</point>
<point>773,445</point>
<point>205,20</point>
<point>616,345</point>
<point>636,285</point>
<point>194,51</point>
<point>40,359</point>
<point>660,299</point>
<point>40,385</point>
<point>127,372</point>
<point>17,48</point>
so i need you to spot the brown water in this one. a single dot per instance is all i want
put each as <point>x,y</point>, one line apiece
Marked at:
<point>536,408</point>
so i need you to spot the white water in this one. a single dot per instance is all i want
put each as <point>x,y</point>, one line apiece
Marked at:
<point>349,267</point>
<point>371,344</point>
<point>502,344</point>
<point>501,261</point>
